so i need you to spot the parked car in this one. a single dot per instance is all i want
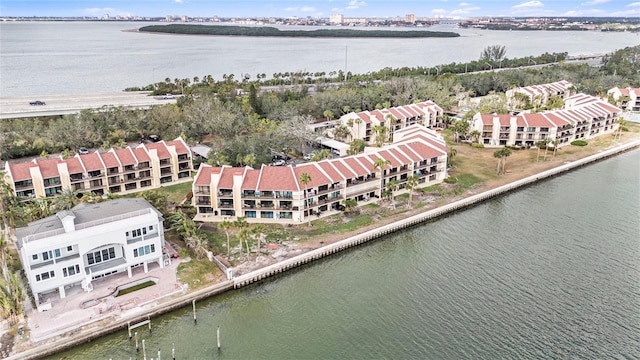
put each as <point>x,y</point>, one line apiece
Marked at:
<point>83,150</point>
<point>168,96</point>
<point>37,103</point>
<point>279,163</point>
<point>307,157</point>
<point>154,138</point>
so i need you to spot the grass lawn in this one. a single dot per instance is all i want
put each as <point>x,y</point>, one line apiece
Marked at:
<point>199,273</point>
<point>176,193</point>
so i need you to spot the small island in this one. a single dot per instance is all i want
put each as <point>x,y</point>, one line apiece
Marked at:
<point>231,30</point>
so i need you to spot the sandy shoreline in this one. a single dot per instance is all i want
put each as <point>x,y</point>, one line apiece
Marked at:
<point>257,269</point>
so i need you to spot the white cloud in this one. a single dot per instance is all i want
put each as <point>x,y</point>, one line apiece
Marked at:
<point>178,1</point>
<point>594,2</point>
<point>463,4</point>
<point>300,9</point>
<point>634,4</point>
<point>355,4</point>
<point>528,4</point>
<point>465,11</point>
<point>585,12</point>
<point>438,11</point>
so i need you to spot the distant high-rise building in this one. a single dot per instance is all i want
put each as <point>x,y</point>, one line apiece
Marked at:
<point>410,18</point>
<point>336,19</point>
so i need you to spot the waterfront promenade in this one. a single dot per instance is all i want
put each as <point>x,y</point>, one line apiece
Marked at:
<point>85,334</point>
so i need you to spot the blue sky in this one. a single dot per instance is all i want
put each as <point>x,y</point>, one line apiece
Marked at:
<point>322,8</point>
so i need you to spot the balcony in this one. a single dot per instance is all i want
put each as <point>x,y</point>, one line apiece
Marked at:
<point>23,185</point>
<point>112,171</point>
<point>143,165</point>
<point>165,162</point>
<point>226,205</point>
<point>165,171</point>
<point>203,201</point>
<point>225,193</point>
<point>76,177</point>
<point>183,157</point>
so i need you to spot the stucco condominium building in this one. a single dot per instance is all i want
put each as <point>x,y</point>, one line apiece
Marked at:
<point>583,117</point>
<point>117,171</point>
<point>361,124</point>
<point>70,249</point>
<point>629,97</point>
<point>275,194</point>
<point>540,94</point>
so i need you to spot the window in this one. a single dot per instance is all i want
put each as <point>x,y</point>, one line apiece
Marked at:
<point>45,276</point>
<point>100,256</point>
<point>69,248</point>
<point>46,255</point>
<point>34,256</point>
<point>135,252</point>
<point>57,252</point>
<point>150,227</point>
<point>153,248</point>
<point>71,270</point>
<point>531,129</point>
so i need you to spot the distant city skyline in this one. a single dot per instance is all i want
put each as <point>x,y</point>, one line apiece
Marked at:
<point>320,8</point>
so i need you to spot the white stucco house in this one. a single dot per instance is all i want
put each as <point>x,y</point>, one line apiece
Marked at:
<point>90,241</point>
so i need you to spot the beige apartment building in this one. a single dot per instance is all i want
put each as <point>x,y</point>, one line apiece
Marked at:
<point>276,194</point>
<point>117,171</point>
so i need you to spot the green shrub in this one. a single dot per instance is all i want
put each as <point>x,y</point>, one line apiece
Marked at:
<point>579,143</point>
<point>477,145</point>
<point>451,180</point>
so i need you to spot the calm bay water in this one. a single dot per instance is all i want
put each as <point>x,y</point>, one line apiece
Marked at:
<point>43,58</point>
<point>551,271</point>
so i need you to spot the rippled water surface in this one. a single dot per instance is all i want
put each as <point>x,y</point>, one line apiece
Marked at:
<point>551,271</point>
<point>44,58</point>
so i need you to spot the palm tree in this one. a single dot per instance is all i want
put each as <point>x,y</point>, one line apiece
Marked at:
<point>498,155</point>
<point>555,143</point>
<point>506,152</point>
<point>621,124</point>
<point>11,299</point>
<point>452,153</point>
<point>392,186</point>
<point>66,199</point>
<point>241,223</point>
<point>305,179</point>
<point>320,155</point>
<point>341,132</point>
<point>244,234</point>
<point>411,184</point>
<point>225,226</point>
<point>380,164</point>
<point>380,132</point>
<point>475,134</point>
<point>358,122</point>
<point>502,156</point>
<point>546,148</point>
<point>539,145</point>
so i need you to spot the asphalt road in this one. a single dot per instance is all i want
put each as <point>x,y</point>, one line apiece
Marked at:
<point>19,107</point>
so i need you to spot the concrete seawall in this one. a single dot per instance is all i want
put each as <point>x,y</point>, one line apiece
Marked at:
<point>92,332</point>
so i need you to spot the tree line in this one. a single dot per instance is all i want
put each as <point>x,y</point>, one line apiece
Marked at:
<point>244,122</point>
<point>230,30</point>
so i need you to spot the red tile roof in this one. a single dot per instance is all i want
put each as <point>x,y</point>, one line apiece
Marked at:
<point>20,172</point>
<point>125,156</point>
<point>74,165</point>
<point>141,154</point>
<point>109,160</point>
<point>49,168</point>
<point>91,162</point>
<point>537,120</point>
<point>163,152</point>
<point>330,170</point>
<point>181,149</point>
<point>277,178</point>
<point>203,177</point>
<point>343,168</point>
<point>226,178</point>
<point>355,166</point>
<point>251,180</point>
<point>317,177</point>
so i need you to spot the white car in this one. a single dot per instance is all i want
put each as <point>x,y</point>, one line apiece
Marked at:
<point>279,163</point>
<point>307,157</point>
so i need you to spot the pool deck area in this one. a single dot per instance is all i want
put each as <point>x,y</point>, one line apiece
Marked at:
<point>69,314</point>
